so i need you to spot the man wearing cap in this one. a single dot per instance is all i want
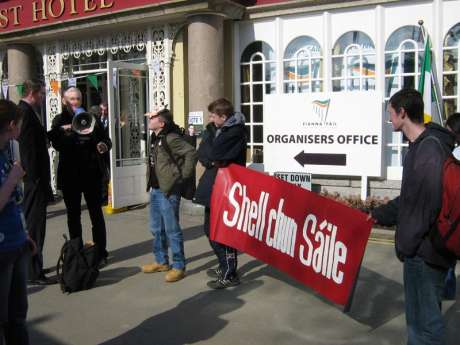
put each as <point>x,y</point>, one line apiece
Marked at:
<point>171,163</point>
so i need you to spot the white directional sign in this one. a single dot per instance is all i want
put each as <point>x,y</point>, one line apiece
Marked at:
<point>300,179</point>
<point>324,133</point>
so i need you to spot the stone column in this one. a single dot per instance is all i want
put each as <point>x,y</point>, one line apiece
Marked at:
<point>205,61</point>
<point>21,66</point>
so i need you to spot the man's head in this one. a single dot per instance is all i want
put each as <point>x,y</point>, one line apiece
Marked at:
<point>159,120</point>
<point>405,107</point>
<point>73,97</point>
<point>34,92</point>
<point>220,110</point>
<point>104,109</point>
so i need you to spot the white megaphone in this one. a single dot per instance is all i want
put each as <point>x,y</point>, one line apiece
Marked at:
<point>83,123</point>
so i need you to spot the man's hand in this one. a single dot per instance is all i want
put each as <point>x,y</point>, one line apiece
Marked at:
<point>369,217</point>
<point>102,147</point>
<point>32,245</point>
<point>16,173</point>
<point>66,127</point>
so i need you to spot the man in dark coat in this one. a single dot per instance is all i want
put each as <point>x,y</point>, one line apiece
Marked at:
<point>33,147</point>
<point>415,212</point>
<point>224,143</point>
<point>80,170</point>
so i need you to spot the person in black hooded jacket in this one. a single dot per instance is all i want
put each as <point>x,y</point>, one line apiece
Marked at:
<point>224,142</point>
<point>415,212</point>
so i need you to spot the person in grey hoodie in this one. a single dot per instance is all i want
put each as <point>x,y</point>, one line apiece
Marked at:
<point>415,212</point>
<point>224,143</point>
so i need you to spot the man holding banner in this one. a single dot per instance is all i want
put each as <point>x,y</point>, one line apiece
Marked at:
<point>223,144</point>
<point>415,212</point>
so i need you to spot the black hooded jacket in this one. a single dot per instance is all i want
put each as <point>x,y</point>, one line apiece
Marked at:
<point>219,148</point>
<point>416,209</point>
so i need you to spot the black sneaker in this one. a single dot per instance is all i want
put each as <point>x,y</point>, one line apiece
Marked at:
<point>215,273</point>
<point>223,283</point>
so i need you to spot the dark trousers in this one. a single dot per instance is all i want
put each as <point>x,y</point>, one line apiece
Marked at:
<point>227,256</point>
<point>35,201</point>
<point>13,297</point>
<point>72,200</point>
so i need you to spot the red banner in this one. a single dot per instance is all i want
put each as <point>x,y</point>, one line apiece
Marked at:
<point>315,240</point>
<point>20,14</point>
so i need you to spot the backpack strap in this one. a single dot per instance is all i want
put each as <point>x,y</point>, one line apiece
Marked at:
<point>60,264</point>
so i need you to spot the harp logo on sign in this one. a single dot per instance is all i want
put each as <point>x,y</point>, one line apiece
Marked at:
<point>321,108</point>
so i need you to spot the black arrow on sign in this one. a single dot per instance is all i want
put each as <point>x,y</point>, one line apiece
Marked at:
<point>321,158</point>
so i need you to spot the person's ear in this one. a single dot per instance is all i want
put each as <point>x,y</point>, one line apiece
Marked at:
<point>402,113</point>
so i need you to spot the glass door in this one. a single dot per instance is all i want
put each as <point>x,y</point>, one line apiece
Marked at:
<point>128,102</point>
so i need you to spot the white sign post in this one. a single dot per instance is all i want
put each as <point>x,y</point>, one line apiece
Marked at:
<point>324,133</point>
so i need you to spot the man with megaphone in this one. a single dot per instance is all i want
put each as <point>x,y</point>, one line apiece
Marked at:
<point>81,141</point>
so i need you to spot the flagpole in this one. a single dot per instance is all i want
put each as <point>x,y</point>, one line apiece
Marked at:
<point>433,80</point>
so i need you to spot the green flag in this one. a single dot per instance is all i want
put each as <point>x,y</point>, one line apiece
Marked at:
<point>20,89</point>
<point>424,84</point>
<point>93,80</point>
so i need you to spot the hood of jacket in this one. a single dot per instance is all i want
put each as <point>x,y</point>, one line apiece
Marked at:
<point>237,119</point>
<point>446,137</point>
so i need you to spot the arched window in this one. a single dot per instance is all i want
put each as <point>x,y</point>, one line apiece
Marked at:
<point>404,51</point>
<point>450,71</point>
<point>258,77</point>
<point>303,66</point>
<point>353,62</point>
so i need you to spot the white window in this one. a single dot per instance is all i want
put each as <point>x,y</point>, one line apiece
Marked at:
<point>353,62</point>
<point>404,51</point>
<point>451,72</point>
<point>303,66</point>
<point>258,77</point>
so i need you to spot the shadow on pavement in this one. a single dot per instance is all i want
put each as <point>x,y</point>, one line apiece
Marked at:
<point>38,337</point>
<point>145,247</point>
<point>115,275</point>
<point>377,299</point>
<point>193,320</point>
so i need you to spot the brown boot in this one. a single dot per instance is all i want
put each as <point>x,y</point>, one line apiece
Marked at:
<point>174,275</point>
<point>155,267</point>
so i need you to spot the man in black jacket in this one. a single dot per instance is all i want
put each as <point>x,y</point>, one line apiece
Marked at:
<point>80,170</point>
<point>415,212</point>
<point>224,143</point>
<point>33,147</point>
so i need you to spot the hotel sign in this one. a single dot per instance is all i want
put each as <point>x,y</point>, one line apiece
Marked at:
<point>16,15</point>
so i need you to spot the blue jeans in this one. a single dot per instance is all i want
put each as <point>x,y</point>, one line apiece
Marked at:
<point>13,296</point>
<point>165,228</point>
<point>423,287</point>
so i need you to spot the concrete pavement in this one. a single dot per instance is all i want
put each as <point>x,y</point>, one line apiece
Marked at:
<point>268,308</point>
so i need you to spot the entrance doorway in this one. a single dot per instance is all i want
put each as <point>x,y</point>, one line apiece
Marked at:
<point>128,102</point>
<point>123,87</point>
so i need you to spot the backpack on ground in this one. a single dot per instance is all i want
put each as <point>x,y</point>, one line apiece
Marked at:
<point>446,235</point>
<point>78,266</point>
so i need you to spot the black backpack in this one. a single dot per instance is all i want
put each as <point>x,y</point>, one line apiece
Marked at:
<point>78,266</point>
